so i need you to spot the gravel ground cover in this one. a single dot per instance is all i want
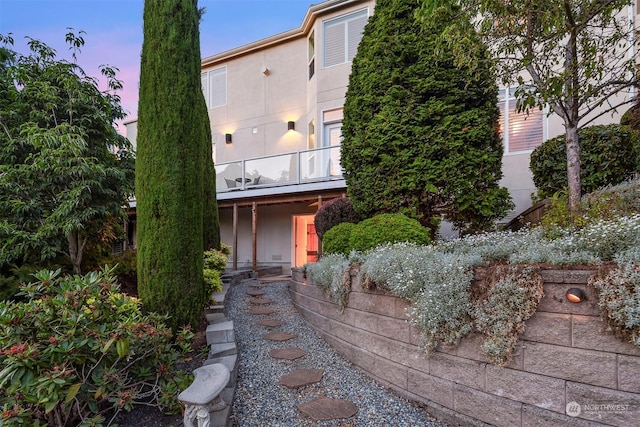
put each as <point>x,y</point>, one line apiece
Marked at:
<point>261,401</point>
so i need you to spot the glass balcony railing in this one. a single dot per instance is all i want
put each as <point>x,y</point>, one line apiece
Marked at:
<point>319,164</point>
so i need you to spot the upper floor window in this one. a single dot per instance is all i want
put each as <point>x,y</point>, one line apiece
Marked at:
<point>341,37</point>
<point>214,87</point>
<point>312,55</point>
<point>524,131</point>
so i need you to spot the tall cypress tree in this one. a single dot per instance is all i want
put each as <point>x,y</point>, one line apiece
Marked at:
<point>421,133</point>
<point>169,167</point>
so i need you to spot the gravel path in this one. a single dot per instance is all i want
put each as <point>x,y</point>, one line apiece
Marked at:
<point>261,401</point>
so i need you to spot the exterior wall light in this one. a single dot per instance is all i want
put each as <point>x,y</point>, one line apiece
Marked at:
<point>291,125</point>
<point>575,295</point>
<point>227,138</point>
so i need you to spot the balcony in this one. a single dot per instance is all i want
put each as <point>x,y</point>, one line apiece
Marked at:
<point>278,173</point>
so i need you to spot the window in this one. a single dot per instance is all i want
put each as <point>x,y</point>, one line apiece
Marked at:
<point>312,134</point>
<point>332,140</point>
<point>214,87</point>
<point>341,37</point>
<point>312,53</point>
<point>525,132</point>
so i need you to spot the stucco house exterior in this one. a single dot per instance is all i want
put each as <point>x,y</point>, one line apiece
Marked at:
<point>275,107</point>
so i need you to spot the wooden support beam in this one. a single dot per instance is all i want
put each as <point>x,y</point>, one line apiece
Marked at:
<point>235,236</point>
<point>254,232</point>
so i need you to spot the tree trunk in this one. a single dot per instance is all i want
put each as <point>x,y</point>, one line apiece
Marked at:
<point>573,168</point>
<point>76,249</point>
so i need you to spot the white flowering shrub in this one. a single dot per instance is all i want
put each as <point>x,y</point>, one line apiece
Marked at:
<point>619,294</point>
<point>441,312</point>
<point>331,274</point>
<point>501,315</point>
<point>605,239</point>
<point>437,279</point>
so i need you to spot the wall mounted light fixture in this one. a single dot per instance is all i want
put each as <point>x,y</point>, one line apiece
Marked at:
<point>291,125</point>
<point>227,138</point>
<point>575,295</point>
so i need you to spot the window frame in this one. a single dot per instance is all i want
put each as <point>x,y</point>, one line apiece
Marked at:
<point>343,20</point>
<point>207,76</point>
<point>507,103</point>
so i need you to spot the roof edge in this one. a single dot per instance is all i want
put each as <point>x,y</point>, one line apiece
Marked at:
<point>304,28</point>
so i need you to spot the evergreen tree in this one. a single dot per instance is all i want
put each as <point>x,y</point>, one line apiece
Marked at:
<point>211,220</point>
<point>170,168</point>
<point>420,133</point>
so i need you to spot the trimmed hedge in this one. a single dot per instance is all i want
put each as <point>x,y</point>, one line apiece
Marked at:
<point>608,156</point>
<point>336,239</point>
<point>373,232</point>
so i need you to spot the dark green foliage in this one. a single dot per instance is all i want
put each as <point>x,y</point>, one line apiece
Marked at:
<point>170,170</point>
<point>387,228</point>
<point>336,239</point>
<point>75,352</point>
<point>332,213</point>
<point>420,134</point>
<point>11,277</point>
<point>65,172</point>
<point>608,156</point>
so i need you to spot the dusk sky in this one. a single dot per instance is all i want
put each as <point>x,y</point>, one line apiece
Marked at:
<point>114,30</point>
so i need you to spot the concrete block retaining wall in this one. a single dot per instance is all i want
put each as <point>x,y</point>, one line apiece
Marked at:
<point>565,355</point>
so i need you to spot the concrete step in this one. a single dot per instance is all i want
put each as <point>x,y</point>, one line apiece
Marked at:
<point>215,318</point>
<point>221,418</point>
<point>223,349</point>
<point>221,332</point>
<point>231,362</point>
<point>216,308</point>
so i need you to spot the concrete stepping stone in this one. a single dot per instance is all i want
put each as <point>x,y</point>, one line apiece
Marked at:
<point>255,292</point>
<point>259,285</point>
<point>272,323</point>
<point>324,409</point>
<point>261,311</point>
<point>279,336</point>
<point>302,377</point>
<point>288,353</point>
<point>260,301</point>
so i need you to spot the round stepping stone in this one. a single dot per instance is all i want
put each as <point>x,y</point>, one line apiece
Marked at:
<point>261,311</point>
<point>279,336</point>
<point>302,377</point>
<point>272,323</point>
<point>288,353</point>
<point>255,292</point>
<point>259,285</point>
<point>260,301</point>
<point>324,409</point>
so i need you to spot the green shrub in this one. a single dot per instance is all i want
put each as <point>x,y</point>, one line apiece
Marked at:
<point>387,228</point>
<point>336,239</point>
<point>76,349</point>
<point>215,262</point>
<point>332,213</point>
<point>11,279</point>
<point>608,156</point>
<point>606,203</point>
<point>123,263</point>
